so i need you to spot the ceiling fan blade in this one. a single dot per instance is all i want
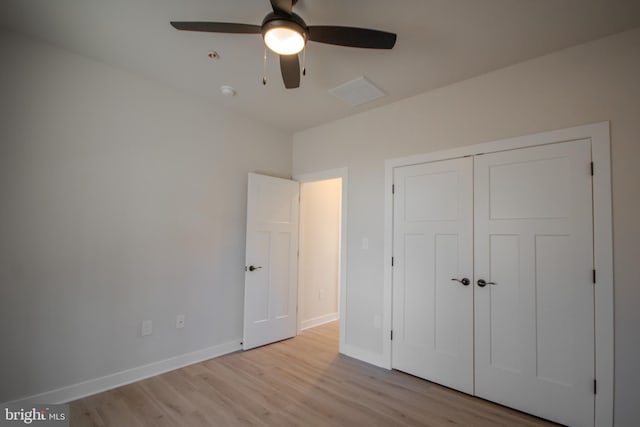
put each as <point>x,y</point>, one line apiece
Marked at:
<point>290,68</point>
<point>217,27</point>
<point>351,36</point>
<point>284,6</point>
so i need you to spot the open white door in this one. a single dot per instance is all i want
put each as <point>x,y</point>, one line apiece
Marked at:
<point>270,294</point>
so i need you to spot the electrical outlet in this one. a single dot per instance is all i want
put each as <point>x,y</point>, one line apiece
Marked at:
<point>321,294</point>
<point>147,327</point>
<point>180,321</point>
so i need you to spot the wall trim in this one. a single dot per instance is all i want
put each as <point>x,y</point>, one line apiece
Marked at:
<point>342,282</point>
<point>599,134</point>
<point>320,320</point>
<point>97,385</point>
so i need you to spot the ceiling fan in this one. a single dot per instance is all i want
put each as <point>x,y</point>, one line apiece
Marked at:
<point>286,34</point>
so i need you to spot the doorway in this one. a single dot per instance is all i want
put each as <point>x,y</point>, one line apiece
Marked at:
<point>319,245</point>
<point>322,249</point>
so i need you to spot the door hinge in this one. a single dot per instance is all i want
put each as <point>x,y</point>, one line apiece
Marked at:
<point>591,168</point>
<point>595,386</point>
<point>393,189</point>
<point>391,335</point>
<point>594,276</point>
<point>392,261</point>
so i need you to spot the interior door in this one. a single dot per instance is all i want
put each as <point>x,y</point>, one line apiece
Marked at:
<point>270,294</point>
<point>534,320</point>
<point>433,267</point>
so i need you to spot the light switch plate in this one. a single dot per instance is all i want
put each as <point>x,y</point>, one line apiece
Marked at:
<point>180,321</point>
<point>147,327</point>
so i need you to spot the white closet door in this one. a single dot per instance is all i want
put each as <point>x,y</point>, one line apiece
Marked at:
<point>534,328</point>
<point>433,243</point>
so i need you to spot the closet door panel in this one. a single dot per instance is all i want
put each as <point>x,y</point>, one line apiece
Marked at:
<point>433,243</point>
<point>534,326</point>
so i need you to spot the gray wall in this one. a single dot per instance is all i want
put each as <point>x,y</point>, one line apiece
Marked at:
<point>590,83</point>
<point>121,201</point>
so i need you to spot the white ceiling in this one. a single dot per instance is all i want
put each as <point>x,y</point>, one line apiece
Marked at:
<point>439,42</point>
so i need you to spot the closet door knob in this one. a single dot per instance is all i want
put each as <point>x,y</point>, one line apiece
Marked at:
<point>252,268</point>
<point>464,281</point>
<point>482,283</point>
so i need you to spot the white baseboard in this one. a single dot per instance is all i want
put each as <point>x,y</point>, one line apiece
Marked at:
<point>86,388</point>
<point>321,320</point>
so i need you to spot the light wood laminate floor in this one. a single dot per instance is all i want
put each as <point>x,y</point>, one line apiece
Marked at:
<point>299,382</point>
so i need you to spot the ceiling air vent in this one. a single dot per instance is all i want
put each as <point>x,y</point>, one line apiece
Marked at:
<point>357,92</point>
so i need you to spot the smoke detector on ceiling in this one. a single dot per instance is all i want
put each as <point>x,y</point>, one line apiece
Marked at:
<point>227,90</point>
<point>357,91</point>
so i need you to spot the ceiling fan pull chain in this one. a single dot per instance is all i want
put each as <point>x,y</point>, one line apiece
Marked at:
<point>304,60</point>
<point>264,67</point>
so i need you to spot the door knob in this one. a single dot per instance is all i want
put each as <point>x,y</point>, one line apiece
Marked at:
<point>252,268</point>
<point>464,281</point>
<point>482,283</point>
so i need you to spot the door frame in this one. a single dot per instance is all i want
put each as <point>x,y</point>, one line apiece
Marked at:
<point>342,173</point>
<point>599,134</point>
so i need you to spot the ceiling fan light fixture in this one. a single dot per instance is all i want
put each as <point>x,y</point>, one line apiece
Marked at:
<point>284,37</point>
<point>284,41</point>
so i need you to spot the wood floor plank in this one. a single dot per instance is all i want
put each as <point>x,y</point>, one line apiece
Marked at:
<point>298,382</point>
